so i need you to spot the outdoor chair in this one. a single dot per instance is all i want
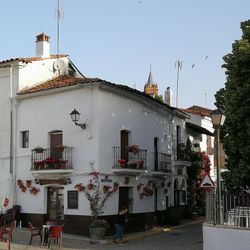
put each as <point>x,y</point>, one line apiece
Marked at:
<point>34,231</point>
<point>6,234</point>
<point>55,233</point>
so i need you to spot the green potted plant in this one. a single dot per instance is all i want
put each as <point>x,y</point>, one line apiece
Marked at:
<point>97,195</point>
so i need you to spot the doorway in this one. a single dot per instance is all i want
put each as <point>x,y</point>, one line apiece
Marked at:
<point>176,194</point>
<point>55,207</point>
<point>124,145</point>
<point>56,139</point>
<point>125,198</point>
<point>156,160</point>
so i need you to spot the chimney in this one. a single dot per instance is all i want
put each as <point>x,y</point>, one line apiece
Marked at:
<point>42,45</point>
<point>168,96</point>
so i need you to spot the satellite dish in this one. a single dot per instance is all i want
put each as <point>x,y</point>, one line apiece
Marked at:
<point>59,66</point>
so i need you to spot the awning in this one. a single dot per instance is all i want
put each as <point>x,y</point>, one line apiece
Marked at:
<point>198,129</point>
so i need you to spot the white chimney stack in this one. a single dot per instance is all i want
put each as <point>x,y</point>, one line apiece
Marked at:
<point>168,96</point>
<point>42,45</point>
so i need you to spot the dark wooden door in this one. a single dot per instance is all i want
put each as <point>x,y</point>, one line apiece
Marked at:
<point>56,139</point>
<point>156,199</point>
<point>156,154</point>
<point>55,204</point>
<point>123,197</point>
<point>124,145</point>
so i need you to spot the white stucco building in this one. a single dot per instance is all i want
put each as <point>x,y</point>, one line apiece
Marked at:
<point>201,117</point>
<point>128,137</point>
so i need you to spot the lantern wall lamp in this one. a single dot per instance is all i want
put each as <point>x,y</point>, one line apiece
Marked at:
<point>75,116</point>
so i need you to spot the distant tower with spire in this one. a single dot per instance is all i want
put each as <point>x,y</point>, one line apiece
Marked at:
<point>150,87</point>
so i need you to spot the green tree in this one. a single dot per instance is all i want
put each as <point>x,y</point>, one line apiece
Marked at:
<point>159,98</point>
<point>234,98</point>
<point>199,162</point>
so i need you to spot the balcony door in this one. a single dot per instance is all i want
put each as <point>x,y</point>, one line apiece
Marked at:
<point>56,139</point>
<point>124,144</point>
<point>156,159</point>
<point>55,205</point>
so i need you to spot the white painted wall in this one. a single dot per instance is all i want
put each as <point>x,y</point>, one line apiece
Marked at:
<point>106,114</point>
<point>42,71</point>
<point>218,238</point>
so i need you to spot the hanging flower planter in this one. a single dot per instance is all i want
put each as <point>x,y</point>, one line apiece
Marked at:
<point>141,195</point>
<point>23,188</point>
<point>28,183</point>
<point>79,187</point>
<point>115,186</point>
<point>126,181</point>
<point>34,190</point>
<point>39,150</point>
<point>122,162</point>
<point>139,187</point>
<point>106,188</point>
<point>134,149</point>
<point>60,148</point>
<point>19,182</point>
<point>90,186</point>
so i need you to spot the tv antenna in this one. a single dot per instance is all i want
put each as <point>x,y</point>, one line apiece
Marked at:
<point>59,15</point>
<point>178,65</point>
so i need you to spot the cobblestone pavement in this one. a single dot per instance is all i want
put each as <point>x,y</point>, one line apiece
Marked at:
<point>185,237</point>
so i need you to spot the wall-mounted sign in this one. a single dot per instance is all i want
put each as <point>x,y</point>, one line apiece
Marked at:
<point>72,199</point>
<point>60,181</point>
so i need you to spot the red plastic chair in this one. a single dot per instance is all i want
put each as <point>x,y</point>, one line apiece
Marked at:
<point>35,232</point>
<point>55,233</point>
<point>8,233</point>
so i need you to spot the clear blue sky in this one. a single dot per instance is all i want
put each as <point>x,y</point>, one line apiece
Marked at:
<point>118,40</point>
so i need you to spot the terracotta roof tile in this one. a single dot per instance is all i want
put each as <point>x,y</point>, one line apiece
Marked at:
<point>31,59</point>
<point>59,82</point>
<point>65,81</point>
<point>197,110</point>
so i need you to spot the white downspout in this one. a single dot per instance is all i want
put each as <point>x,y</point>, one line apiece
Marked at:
<point>12,138</point>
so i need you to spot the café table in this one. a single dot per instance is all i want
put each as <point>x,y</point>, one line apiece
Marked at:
<point>46,234</point>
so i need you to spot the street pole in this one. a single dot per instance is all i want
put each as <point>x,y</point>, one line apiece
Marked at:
<point>218,189</point>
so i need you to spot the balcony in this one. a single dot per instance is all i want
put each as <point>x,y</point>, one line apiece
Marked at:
<point>51,161</point>
<point>162,164</point>
<point>180,156</point>
<point>129,162</point>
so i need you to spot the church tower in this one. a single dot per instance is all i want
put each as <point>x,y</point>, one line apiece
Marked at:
<point>150,87</point>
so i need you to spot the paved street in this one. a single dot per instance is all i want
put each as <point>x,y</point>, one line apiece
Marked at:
<point>182,238</point>
<point>186,237</point>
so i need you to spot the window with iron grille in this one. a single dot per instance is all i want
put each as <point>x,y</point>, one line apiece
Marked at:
<point>24,139</point>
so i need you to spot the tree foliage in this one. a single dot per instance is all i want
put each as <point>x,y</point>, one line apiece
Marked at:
<point>234,98</point>
<point>200,165</point>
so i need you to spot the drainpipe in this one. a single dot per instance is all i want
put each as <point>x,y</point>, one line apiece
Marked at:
<point>12,137</point>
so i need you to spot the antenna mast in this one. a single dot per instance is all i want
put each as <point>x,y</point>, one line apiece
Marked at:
<point>178,64</point>
<point>58,16</point>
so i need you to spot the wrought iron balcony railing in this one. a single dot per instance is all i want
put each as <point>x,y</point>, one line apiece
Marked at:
<point>162,162</point>
<point>51,159</point>
<point>179,151</point>
<point>129,158</point>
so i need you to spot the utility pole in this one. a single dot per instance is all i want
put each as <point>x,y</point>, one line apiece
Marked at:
<point>178,65</point>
